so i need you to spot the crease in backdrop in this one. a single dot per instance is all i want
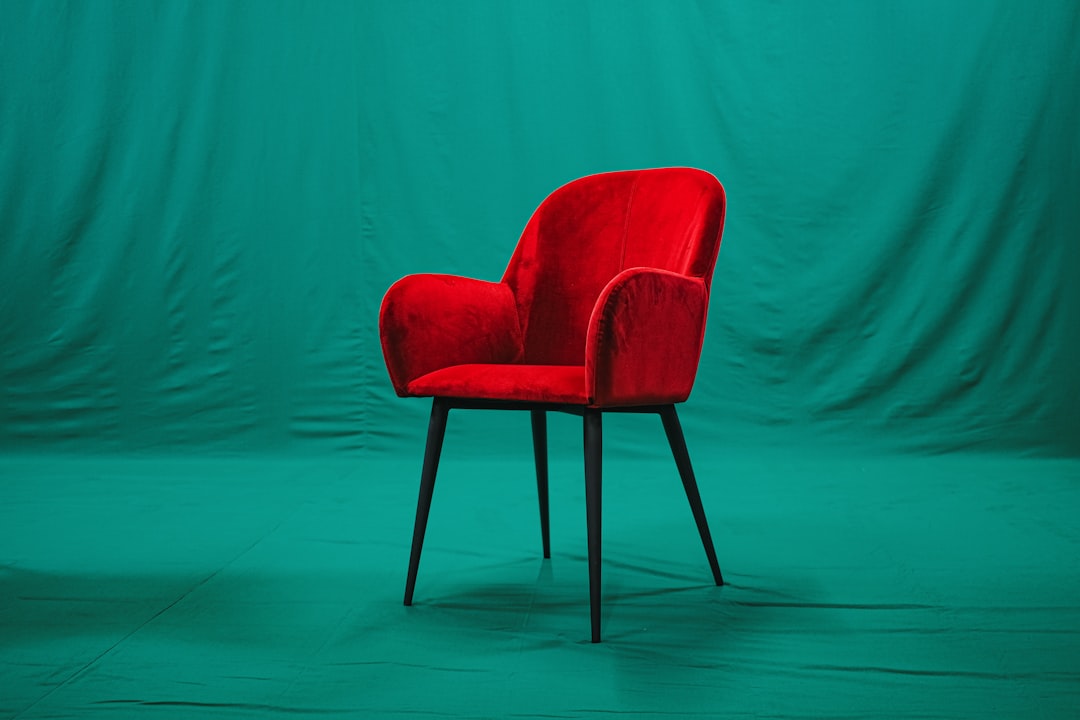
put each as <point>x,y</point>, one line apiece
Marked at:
<point>202,203</point>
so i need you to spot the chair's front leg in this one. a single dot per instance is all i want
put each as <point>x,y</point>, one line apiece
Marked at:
<point>682,460</point>
<point>593,460</point>
<point>436,429</point>
<point>539,433</point>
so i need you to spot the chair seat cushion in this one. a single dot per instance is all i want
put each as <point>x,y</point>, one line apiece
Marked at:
<point>525,383</point>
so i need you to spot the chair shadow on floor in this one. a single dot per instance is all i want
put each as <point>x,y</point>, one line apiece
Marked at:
<point>646,603</point>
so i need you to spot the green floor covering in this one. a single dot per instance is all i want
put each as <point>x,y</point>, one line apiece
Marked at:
<point>865,586</point>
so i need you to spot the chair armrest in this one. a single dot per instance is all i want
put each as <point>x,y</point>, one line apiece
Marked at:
<point>429,322</point>
<point>644,338</point>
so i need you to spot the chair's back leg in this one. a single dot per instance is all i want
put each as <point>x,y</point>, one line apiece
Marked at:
<point>539,433</point>
<point>436,430</point>
<point>593,461</point>
<point>682,459</point>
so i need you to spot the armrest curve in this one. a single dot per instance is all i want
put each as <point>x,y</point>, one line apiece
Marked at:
<point>644,338</point>
<point>428,322</point>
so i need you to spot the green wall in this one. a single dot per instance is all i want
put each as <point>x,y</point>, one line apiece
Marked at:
<point>201,204</point>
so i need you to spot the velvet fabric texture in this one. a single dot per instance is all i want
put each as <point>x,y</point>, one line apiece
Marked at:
<point>603,303</point>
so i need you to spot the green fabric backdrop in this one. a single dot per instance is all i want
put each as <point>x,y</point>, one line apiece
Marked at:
<point>201,204</point>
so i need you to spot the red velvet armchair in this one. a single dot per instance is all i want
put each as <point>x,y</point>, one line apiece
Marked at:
<point>601,309</point>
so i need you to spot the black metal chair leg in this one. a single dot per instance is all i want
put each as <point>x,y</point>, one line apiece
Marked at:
<point>593,460</point>
<point>539,433</point>
<point>436,430</point>
<point>686,472</point>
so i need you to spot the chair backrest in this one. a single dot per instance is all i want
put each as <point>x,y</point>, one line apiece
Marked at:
<point>591,229</point>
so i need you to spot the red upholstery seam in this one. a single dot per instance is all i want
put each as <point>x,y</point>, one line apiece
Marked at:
<point>626,222</point>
